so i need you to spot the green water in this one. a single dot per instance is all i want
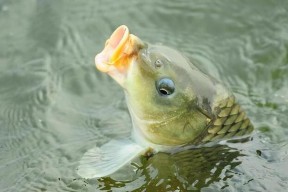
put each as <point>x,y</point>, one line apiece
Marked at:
<point>54,105</point>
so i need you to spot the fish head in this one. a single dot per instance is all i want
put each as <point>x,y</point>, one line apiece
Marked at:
<point>169,99</point>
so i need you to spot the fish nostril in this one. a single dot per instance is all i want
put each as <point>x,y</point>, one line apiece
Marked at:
<point>158,63</point>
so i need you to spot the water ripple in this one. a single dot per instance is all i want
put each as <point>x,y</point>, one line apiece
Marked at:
<point>55,105</point>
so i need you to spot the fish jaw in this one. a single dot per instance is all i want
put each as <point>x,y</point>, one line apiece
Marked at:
<point>120,50</point>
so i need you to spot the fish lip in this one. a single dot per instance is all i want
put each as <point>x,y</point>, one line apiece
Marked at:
<point>113,47</point>
<point>120,51</point>
<point>121,31</point>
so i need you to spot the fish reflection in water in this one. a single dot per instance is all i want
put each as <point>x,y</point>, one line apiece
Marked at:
<point>184,170</point>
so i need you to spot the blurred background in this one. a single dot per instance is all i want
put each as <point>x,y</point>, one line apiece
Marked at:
<point>55,105</point>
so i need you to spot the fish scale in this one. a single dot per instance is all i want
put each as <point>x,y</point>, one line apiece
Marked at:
<point>230,121</point>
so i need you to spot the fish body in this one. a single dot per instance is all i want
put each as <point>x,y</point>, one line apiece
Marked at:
<point>171,102</point>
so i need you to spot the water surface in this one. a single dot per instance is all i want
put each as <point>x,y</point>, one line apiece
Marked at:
<point>54,105</point>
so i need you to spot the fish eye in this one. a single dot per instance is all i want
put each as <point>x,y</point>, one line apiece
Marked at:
<point>165,86</point>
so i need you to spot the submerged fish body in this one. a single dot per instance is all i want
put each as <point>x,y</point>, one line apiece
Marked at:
<point>171,103</point>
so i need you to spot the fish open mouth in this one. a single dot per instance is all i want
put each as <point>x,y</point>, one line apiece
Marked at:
<point>118,52</point>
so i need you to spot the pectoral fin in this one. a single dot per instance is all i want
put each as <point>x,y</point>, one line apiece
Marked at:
<point>105,160</point>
